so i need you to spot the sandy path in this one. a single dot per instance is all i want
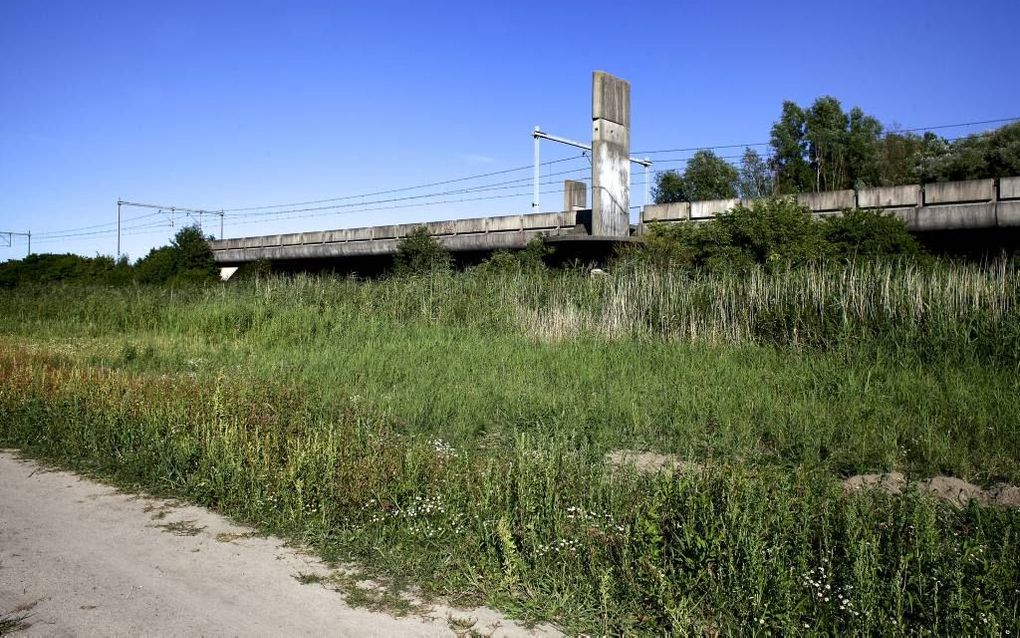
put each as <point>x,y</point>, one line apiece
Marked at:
<point>90,561</point>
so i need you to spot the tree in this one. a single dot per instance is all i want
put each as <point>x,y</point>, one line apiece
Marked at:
<point>755,176</point>
<point>187,260</point>
<point>669,187</point>
<point>824,148</point>
<point>991,154</point>
<point>897,158</point>
<point>825,128</point>
<point>707,176</point>
<point>863,150</point>
<point>789,149</point>
<point>419,252</point>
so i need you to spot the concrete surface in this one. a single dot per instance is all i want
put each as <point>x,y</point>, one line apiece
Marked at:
<point>889,196</point>
<point>975,190</point>
<point>610,156</point>
<point>712,207</point>
<point>828,201</point>
<point>575,195</point>
<point>86,560</point>
<point>1009,188</point>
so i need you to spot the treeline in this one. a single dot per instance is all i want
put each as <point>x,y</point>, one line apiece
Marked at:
<point>187,260</point>
<point>822,147</point>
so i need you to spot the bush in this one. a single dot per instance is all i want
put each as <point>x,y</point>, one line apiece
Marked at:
<point>531,259</point>
<point>419,253</point>
<point>50,268</point>
<point>869,233</point>
<point>188,260</point>
<point>772,232</point>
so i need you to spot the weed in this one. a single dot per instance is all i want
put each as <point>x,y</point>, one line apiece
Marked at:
<point>182,528</point>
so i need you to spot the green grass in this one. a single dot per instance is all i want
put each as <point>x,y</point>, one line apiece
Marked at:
<point>449,432</point>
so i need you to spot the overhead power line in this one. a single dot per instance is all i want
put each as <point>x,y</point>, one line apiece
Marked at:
<point>1002,120</point>
<point>402,189</point>
<point>459,191</point>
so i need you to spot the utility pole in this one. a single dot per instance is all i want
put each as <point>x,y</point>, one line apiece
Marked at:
<point>11,235</point>
<point>118,227</point>
<point>221,224</point>
<point>535,173</point>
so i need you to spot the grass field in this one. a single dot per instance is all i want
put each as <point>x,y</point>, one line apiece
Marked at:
<point>450,431</point>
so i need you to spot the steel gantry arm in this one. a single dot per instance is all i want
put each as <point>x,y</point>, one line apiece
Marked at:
<point>538,134</point>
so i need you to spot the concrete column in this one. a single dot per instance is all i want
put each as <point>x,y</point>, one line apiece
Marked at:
<point>575,195</point>
<point>610,158</point>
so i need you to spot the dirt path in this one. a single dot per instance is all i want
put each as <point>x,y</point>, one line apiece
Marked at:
<point>84,559</point>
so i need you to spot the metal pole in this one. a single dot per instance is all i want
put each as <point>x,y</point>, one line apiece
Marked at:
<point>221,224</point>
<point>29,253</point>
<point>535,175</point>
<point>118,229</point>
<point>647,184</point>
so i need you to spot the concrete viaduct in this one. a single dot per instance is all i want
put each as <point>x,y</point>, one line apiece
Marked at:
<point>969,205</point>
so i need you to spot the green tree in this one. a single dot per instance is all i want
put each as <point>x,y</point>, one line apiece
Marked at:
<point>755,176</point>
<point>707,176</point>
<point>823,148</point>
<point>864,150</point>
<point>789,151</point>
<point>990,154</point>
<point>897,158</point>
<point>669,187</point>
<point>419,252</point>
<point>187,260</point>
<point>825,128</point>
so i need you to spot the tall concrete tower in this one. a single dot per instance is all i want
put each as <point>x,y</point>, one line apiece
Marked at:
<point>610,157</point>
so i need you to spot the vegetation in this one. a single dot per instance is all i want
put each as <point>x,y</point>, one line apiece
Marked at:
<point>187,260</point>
<point>773,232</point>
<point>420,253</point>
<point>49,269</point>
<point>822,147</point>
<point>451,429</point>
<point>707,176</point>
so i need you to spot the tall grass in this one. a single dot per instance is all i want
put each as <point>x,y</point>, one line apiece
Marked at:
<point>451,430</point>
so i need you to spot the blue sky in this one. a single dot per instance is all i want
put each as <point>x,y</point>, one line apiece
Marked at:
<point>235,104</point>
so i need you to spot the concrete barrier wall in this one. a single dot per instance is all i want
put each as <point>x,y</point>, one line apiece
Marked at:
<point>889,197</point>
<point>829,201</point>
<point>976,190</point>
<point>711,208</point>
<point>456,234</point>
<point>941,206</point>
<point>1009,188</point>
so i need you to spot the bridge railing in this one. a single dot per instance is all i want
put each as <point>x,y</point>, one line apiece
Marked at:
<point>979,203</point>
<point>550,222</point>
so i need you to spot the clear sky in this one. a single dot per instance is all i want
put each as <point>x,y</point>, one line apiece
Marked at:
<point>215,105</point>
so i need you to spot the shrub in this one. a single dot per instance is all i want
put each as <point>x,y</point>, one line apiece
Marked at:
<point>531,259</point>
<point>773,231</point>
<point>419,252</point>
<point>187,260</point>
<point>869,233</point>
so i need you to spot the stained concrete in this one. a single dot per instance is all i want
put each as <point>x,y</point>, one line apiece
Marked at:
<point>610,166</point>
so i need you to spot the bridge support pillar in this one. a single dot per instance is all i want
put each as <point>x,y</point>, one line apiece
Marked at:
<point>610,158</point>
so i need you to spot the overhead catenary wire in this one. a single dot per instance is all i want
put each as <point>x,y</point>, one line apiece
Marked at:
<point>938,127</point>
<point>401,189</point>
